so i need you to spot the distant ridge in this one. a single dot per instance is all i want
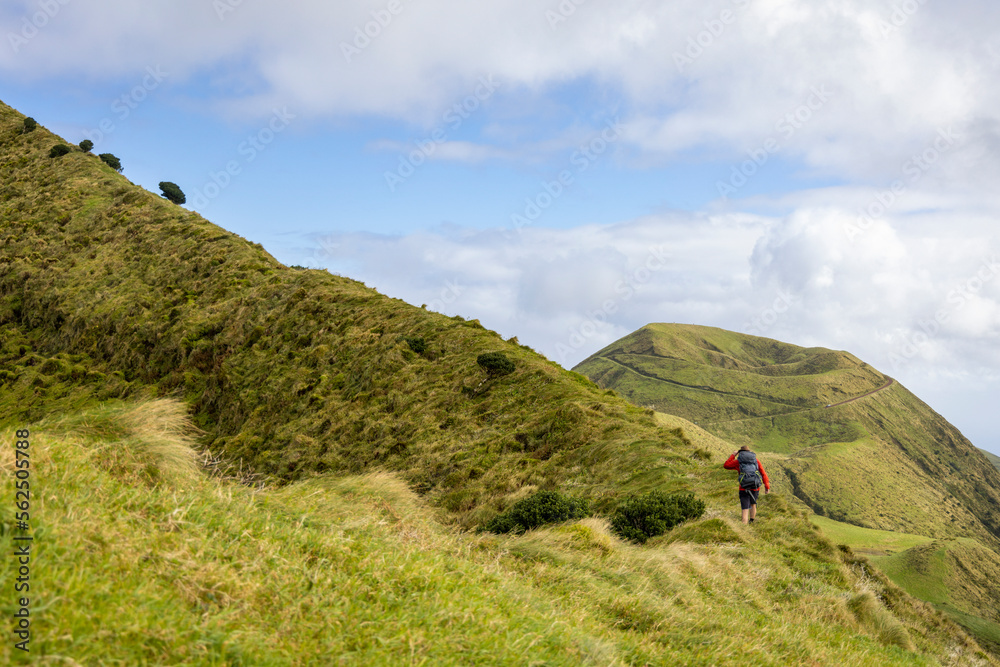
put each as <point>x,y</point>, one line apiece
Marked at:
<point>817,408</point>
<point>992,458</point>
<point>853,444</point>
<point>348,445</point>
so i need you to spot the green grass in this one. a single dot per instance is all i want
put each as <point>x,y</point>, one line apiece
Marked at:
<point>108,291</point>
<point>992,458</point>
<point>868,540</point>
<point>303,379</point>
<point>764,393</point>
<point>165,565</point>
<point>956,576</point>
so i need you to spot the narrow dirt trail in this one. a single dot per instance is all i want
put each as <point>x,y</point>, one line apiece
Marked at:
<point>857,398</point>
<point>729,421</point>
<point>795,412</point>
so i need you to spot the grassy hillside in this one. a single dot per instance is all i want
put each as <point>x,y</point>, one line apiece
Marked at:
<point>958,577</point>
<point>774,396</point>
<point>852,444</point>
<point>143,559</point>
<point>374,450</point>
<point>992,458</point>
<point>107,290</point>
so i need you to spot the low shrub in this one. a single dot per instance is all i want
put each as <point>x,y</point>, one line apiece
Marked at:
<point>86,145</point>
<point>172,192</point>
<point>496,364</point>
<point>111,161</point>
<point>59,150</point>
<point>29,125</point>
<point>418,345</point>
<point>638,518</point>
<point>537,510</point>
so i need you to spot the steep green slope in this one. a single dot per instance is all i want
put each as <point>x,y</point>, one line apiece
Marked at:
<point>300,377</point>
<point>958,576</point>
<point>854,445</point>
<point>992,458</point>
<point>142,559</point>
<point>107,290</point>
<point>845,428</point>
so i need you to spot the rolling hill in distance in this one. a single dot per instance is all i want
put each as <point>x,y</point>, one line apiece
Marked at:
<point>239,462</point>
<point>854,444</point>
<point>992,458</point>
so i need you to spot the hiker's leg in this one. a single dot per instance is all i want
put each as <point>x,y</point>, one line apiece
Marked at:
<point>753,512</point>
<point>746,516</point>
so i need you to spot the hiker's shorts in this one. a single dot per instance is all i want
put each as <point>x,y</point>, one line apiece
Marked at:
<point>748,498</point>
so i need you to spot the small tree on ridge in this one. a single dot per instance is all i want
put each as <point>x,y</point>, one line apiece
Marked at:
<point>172,192</point>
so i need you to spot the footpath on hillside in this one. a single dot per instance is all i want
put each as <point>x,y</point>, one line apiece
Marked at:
<point>795,412</point>
<point>716,391</point>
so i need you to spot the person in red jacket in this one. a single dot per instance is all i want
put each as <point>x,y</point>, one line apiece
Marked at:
<point>748,496</point>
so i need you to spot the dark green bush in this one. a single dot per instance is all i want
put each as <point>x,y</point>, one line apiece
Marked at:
<point>59,150</point>
<point>496,364</point>
<point>172,192</point>
<point>418,345</point>
<point>86,145</point>
<point>111,161</point>
<point>639,518</point>
<point>29,125</point>
<point>537,510</point>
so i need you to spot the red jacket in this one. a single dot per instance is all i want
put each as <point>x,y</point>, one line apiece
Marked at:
<point>732,464</point>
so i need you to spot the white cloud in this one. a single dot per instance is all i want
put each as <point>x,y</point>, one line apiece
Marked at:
<point>905,295</point>
<point>753,68</point>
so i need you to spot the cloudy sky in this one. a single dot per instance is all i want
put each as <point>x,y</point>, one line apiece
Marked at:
<point>818,171</point>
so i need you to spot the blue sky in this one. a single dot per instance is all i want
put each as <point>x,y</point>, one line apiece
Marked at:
<point>819,172</point>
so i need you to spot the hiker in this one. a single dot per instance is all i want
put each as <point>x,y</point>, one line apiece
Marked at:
<point>751,474</point>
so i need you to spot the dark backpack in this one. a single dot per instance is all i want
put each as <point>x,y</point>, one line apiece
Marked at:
<point>749,471</point>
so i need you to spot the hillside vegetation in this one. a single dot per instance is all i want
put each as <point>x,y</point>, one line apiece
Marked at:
<point>108,291</point>
<point>992,458</point>
<point>143,559</point>
<point>355,438</point>
<point>854,445</point>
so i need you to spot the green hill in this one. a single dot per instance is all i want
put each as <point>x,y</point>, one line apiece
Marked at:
<point>109,291</point>
<point>992,458</point>
<point>354,439</point>
<point>143,559</point>
<point>957,576</point>
<point>774,397</point>
<point>854,445</point>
